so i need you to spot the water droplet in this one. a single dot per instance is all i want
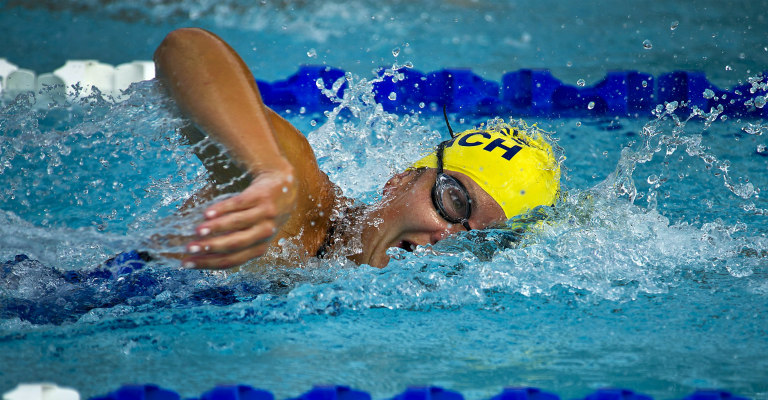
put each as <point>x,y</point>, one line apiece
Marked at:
<point>760,101</point>
<point>761,148</point>
<point>708,94</point>
<point>312,53</point>
<point>421,105</point>
<point>569,64</point>
<point>674,25</point>
<point>581,82</point>
<point>578,123</point>
<point>408,64</point>
<point>392,96</point>
<point>728,68</point>
<point>591,105</point>
<point>319,83</point>
<point>396,51</point>
<point>653,179</point>
<point>647,44</point>
<point>313,122</point>
<point>645,83</point>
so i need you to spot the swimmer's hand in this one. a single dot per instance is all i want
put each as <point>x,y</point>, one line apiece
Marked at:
<point>241,228</point>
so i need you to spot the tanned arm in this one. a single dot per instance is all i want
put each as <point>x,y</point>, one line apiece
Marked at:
<point>288,196</point>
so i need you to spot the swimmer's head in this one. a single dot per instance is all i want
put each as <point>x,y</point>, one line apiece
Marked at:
<point>514,165</point>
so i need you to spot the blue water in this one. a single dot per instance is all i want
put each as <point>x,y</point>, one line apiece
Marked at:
<point>650,275</point>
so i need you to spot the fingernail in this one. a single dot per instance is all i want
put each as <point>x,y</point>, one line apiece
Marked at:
<point>194,249</point>
<point>188,265</point>
<point>205,231</point>
<point>210,213</point>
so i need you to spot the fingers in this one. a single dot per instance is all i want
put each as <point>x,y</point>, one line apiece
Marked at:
<point>234,241</point>
<point>240,228</point>
<point>265,190</point>
<point>237,220</point>
<point>230,250</point>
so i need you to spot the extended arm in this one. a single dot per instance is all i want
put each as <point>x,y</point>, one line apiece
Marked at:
<point>215,89</point>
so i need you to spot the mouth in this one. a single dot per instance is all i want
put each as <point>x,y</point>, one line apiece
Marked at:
<point>407,246</point>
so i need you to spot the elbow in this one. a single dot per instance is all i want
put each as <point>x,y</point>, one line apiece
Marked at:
<point>178,43</point>
<point>173,41</point>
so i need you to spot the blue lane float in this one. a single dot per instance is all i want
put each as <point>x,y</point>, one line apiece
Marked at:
<point>526,92</point>
<point>245,392</point>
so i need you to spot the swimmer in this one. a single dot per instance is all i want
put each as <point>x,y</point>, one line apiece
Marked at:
<point>477,179</point>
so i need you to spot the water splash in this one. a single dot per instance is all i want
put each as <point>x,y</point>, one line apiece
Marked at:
<point>360,145</point>
<point>86,170</point>
<point>597,245</point>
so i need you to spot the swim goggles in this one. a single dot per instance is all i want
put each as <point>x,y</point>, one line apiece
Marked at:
<point>449,195</point>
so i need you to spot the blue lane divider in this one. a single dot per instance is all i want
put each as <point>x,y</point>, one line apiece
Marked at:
<point>333,393</point>
<point>524,393</point>
<point>428,393</point>
<point>245,392</point>
<point>616,394</point>
<point>525,92</point>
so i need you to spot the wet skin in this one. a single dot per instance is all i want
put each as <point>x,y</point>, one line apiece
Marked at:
<point>408,217</point>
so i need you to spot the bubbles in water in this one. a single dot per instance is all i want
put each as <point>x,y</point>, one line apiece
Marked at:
<point>396,51</point>
<point>753,129</point>
<point>581,82</point>
<point>761,149</point>
<point>647,44</point>
<point>312,53</point>
<point>645,83</point>
<point>728,68</point>
<point>760,101</point>
<point>591,105</point>
<point>674,25</point>
<point>708,94</point>
<point>392,96</point>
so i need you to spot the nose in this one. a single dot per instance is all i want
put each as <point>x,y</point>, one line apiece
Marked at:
<point>446,229</point>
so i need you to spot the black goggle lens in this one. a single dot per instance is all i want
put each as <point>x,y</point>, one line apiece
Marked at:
<point>449,195</point>
<point>452,200</point>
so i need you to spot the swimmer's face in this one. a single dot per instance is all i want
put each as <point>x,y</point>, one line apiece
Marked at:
<point>408,217</point>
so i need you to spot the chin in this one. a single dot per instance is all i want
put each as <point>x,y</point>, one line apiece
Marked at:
<point>379,260</point>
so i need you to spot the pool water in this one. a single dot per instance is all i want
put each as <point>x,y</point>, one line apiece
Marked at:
<point>650,274</point>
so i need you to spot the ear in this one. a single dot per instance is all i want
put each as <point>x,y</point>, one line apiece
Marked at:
<point>396,181</point>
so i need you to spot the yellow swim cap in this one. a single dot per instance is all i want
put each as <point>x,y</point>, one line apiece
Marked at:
<point>519,170</point>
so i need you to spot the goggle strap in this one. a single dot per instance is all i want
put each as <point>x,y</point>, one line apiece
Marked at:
<point>445,114</point>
